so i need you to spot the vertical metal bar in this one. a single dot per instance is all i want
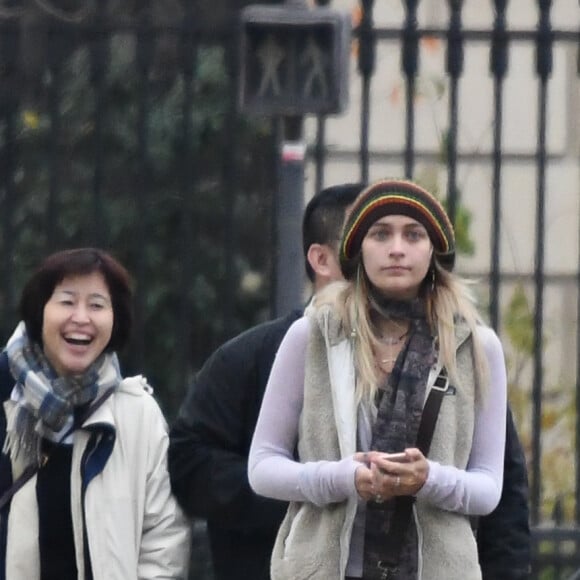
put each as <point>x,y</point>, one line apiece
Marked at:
<point>290,269</point>
<point>410,65</point>
<point>454,67</point>
<point>543,70</point>
<point>320,152</point>
<point>189,223</point>
<point>277,127</point>
<point>498,67</point>
<point>99,60</point>
<point>144,57</point>
<point>9,107</point>
<point>577,486</point>
<point>58,44</point>
<point>229,195</point>
<point>366,67</point>
<point>187,227</point>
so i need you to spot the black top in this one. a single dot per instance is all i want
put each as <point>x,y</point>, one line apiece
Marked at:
<point>209,446</point>
<point>56,539</point>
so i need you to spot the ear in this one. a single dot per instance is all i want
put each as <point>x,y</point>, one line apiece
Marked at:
<point>318,256</point>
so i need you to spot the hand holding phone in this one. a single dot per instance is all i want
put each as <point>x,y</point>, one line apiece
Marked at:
<point>394,457</point>
<point>397,457</point>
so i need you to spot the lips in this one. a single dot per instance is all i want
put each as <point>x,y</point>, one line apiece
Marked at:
<point>78,340</point>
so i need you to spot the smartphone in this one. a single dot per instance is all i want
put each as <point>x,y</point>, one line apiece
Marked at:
<point>398,457</point>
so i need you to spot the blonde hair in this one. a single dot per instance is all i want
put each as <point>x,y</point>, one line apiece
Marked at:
<point>447,301</point>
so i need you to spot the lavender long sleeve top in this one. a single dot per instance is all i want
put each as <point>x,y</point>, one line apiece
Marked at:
<point>273,472</point>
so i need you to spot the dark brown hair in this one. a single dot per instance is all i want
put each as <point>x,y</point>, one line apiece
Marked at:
<point>78,262</point>
<point>324,217</point>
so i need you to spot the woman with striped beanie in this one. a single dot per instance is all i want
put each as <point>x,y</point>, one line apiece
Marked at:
<point>383,421</point>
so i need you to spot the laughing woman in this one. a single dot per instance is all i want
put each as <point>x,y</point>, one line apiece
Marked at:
<point>383,420</point>
<point>84,488</point>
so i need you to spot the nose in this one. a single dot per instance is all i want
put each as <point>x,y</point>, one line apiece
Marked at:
<point>397,246</point>
<point>80,314</point>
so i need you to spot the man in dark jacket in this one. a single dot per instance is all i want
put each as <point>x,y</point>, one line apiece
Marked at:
<point>210,439</point>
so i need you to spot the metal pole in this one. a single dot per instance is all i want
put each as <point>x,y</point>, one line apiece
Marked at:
<point>289,269</point>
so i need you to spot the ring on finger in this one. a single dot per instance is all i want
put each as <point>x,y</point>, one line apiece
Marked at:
<point>378,498</point>
<point>398,481</point>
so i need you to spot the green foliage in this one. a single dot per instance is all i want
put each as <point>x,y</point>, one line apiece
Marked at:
<point>429,178</point>
<point>153,164</point>
<point>558,410</point>
<point>519,322</point>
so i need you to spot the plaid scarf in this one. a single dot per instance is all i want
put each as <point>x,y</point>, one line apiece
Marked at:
<point>398,416</point>
<point>45,402</point>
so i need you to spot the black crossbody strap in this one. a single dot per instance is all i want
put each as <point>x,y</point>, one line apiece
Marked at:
<point>431,412</point>
<point>31,470</point>
<point>404,504</point>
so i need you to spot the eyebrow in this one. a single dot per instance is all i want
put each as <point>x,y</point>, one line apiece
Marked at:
<point>92,296</point>
<point>409,225</point>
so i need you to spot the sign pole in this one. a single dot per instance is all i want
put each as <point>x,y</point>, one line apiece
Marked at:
<point>289,268</point>
<point>293,62</point>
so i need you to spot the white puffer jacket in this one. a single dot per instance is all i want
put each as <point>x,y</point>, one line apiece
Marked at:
<point>134,527</point>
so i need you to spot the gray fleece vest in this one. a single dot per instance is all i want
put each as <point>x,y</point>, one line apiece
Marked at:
<point>313,542</point>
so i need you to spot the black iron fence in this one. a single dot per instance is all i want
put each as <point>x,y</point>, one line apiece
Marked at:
<point>118,127</point>
<point>554,501</point>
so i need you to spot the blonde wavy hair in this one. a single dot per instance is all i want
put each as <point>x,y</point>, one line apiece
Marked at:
<point>448,300</point>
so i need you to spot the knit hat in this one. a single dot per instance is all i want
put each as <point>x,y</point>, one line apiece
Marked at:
<point>396,197</point>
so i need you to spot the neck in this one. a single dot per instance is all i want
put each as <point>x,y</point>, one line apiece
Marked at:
<point>392,329</point>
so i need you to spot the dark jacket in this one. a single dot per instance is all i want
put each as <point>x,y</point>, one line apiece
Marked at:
<point>208,452</point>
<point>209,446</point>
<point>503,537</point>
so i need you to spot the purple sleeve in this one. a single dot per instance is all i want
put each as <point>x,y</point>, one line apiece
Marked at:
<point>272,469</point>
<point>477,489</point>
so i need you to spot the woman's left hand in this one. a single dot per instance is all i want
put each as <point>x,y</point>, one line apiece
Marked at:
<point>403,474</point>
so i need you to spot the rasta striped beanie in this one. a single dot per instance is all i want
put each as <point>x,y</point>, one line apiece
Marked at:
<point>396,197</point>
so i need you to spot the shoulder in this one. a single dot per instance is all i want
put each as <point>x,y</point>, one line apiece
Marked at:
<point>136,385</point>
<point>257,343</point>
<point>299,330</point>
<point>266,333</point>
<point>134,398</point>
<point>137,391</point>
<point>326,319</point>
<point>489,340</point>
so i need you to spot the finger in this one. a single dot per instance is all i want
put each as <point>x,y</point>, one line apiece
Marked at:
<point>361,457</point>
<point>377,476</point>
<point>414,454</point>
<point>396,483</point>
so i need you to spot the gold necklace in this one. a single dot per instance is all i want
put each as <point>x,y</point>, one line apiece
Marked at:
<point>392,340</point>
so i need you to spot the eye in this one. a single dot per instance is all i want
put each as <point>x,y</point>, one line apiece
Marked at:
<point>379,234</point>
<point>65,302</point>
<point>415,235</point>
<point>96,306</point>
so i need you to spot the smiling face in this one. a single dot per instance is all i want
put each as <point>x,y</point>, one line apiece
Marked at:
<point>77,323</point>
<point>396,253</point>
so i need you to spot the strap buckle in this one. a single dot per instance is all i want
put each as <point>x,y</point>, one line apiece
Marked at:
<point>441,382</point>
<point>388,571</point>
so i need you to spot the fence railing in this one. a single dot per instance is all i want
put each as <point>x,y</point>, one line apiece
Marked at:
<point>121,130</point>
<point>501,40</point>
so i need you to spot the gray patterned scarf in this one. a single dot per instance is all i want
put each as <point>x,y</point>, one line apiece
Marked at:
<point>45,402</point>
<point>396,426</point>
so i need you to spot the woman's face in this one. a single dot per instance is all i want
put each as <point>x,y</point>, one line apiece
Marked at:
<point>396,254</point>
<point>77,323</point>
